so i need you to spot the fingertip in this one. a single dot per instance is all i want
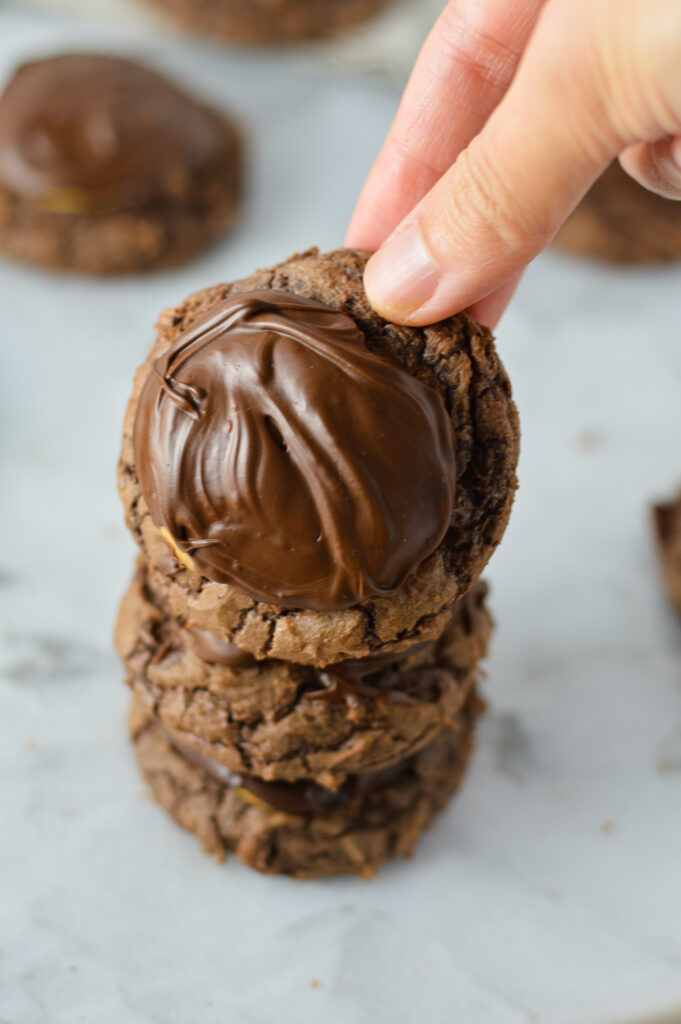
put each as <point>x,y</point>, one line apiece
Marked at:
<point>359,233</point>
<point>401,278</point>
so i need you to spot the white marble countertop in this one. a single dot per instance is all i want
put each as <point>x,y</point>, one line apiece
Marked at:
<point>550,892</point>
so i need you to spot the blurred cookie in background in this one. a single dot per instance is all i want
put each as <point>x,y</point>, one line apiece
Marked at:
<point>619,221</point>
<point>270,22</point>
<point>667,531</point>
<point>106,167</point>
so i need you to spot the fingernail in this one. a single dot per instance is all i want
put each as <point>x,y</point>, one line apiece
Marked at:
<point>402,275</point>
<point>665,164</point>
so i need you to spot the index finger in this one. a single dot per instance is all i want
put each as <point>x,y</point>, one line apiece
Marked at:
<point>463,71</point>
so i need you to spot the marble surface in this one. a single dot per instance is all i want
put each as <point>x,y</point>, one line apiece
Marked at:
<point>549,893</point>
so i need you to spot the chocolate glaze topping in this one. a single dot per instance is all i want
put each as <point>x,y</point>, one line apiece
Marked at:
<point>99,130</point>
<point>288,460</point>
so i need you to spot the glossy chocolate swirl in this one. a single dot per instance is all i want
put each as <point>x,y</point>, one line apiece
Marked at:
<point>286,459</point>
<point>83,131</point>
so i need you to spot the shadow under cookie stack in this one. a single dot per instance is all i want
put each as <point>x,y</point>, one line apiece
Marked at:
<point>314,493</point>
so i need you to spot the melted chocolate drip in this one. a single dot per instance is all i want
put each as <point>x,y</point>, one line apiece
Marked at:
<point>356,671</point>
<point>288,460</point>
<point>88,131</point>
<point>220,652</point>
<point>374,676</point>
<point>302,798</point>
<point>382,674</point>
<point>377,675</point>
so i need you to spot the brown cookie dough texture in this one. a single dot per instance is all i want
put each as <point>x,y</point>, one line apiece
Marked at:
<point>455,357</point>
<point>355,837</point>
<point>270,22</point>
<point>619,221</point>
<point>280,720</point>
<point>108,168</point>
<point>667,526</point>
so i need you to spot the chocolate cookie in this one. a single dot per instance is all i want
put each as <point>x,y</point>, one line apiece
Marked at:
<point>619,221</point>
<point>270,22</point>
<point>279,720</point>
<point>667,525</point>
<point>107,168</point>
<point>300,829</point>
<point>310,482</point>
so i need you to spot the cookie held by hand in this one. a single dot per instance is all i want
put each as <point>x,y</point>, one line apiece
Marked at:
<point>307,481</point>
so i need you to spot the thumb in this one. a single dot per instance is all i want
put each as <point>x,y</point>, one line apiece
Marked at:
<point>597,77</point>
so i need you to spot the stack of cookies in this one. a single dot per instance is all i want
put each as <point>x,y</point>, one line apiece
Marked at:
<point>314,492</point>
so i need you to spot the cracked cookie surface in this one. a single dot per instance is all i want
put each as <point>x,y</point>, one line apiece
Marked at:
<point>354,839</point>
<point>456,357</point>
<point>279,720</point>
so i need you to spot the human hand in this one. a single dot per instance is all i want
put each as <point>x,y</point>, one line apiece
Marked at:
<point>513,110</point>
